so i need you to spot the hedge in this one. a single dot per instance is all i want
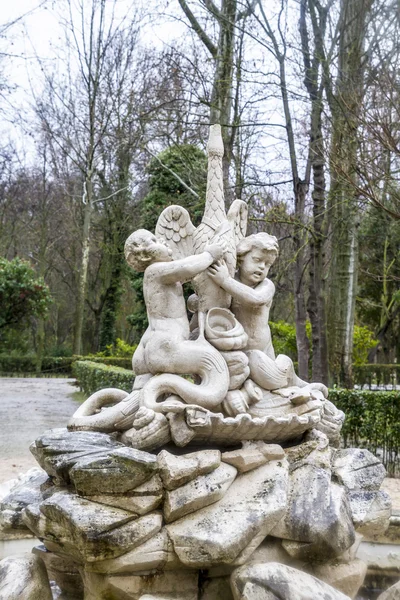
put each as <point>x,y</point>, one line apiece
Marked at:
<point>93,376</point>
<point>372,422</point>
<point>61,365</point>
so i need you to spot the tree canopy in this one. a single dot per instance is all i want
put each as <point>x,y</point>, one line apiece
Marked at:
<point>22,293</point>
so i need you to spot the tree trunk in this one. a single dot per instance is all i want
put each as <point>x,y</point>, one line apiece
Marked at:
<point>80,304</point>
<point>111,304</point>
<point>221,96</point>
<point>302,341</point>
<point>343,200</point>
<point>317,294</point>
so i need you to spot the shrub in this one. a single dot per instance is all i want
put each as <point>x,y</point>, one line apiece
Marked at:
<point>363,342</point>
<point>22,293</point>
<point>58,365</point>
<point>284,338</point>
<point>93,376</point>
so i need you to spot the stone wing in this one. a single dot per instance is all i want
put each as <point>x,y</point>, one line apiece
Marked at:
<point>176,229</point>
<point>237,217</point>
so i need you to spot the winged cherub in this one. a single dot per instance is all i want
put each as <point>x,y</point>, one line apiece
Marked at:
<point>165,349</point>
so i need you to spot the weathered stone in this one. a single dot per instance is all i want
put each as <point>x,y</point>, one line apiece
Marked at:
<point>274,581</point>
<point>172,585</point>
<point>201,491</point>
<point>24,577</point>
<point>63,571</point>
<point>218,588</point>
<point>393,593</point>
<point>58,450</point>
<point>252,455</point>
<point>270,550</point>
<point>94,531</point>
<point>358,469</point>
<point>115,472</point>
<point>153,554</point>
<point>26,491</point>
<point>143,499</point>
<point>347,577</point>
<point>178,470</point>
<point>318,511</point>
<point>219,533</point>
<point>370,511</point>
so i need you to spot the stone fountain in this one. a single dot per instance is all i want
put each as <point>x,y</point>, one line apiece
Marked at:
<point>220,476</point>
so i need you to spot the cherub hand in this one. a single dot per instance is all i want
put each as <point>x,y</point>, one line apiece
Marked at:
<point>215,250</point>
<point>219,272</point>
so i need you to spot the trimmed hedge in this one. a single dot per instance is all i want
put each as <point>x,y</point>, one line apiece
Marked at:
<point>372,422</point>
<point>93,376</point>
<point>61,365</point>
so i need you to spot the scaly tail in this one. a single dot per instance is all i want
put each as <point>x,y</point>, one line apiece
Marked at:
<point>208,363</point>
<point>114,418</point>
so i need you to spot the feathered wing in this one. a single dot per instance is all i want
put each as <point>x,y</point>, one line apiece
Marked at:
<point>237,217</point>
<point>176,229</point>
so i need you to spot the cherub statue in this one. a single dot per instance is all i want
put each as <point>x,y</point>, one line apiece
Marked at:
<point>165,349</point>
<point>252,294</point>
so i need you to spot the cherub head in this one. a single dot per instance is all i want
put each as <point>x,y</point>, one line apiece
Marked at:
<point>255,255</point>
<point>142,249</point>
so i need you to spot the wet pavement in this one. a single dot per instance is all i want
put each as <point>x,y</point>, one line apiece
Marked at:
<point>29,406</point>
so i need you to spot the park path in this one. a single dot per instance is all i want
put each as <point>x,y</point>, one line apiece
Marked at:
<point>29,406</point>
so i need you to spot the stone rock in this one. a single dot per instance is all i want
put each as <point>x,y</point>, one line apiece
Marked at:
<point>172,585</point>
<point>219,533</point>
<point>252,455</point>
<point>218,588</point>
<point>393,593</point>
<point>371,512</point>
<point>274,581</point>
<point>317,523</point>
<point>27,490</point>
<point>358,469</point>
<point>347,577</point>
<point>201,491</point>
<point>143,499</point>
<point>118,471</point>
<point>63,571</point>
<point>89,530</point>
<point>24,577</point>
<point>178,470</point>
<point>58,450</point>
<point>153,554</point>
<point>270,550</point>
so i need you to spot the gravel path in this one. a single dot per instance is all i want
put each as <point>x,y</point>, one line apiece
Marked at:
<point>29,406</point>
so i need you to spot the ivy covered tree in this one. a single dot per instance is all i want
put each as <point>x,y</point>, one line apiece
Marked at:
<point>177,175</point>
<point>22,294</point>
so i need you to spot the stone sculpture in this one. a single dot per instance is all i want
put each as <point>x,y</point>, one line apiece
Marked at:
<point>218,476</point>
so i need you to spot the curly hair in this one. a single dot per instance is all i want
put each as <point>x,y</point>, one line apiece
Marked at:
<point>137,253</point>
<point>262,241</point>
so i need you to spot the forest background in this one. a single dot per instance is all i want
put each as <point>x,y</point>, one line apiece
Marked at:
<point>114,123</point>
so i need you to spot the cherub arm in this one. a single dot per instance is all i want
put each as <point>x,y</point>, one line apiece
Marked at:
<point>185,269</point>
<point>258,296</point>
